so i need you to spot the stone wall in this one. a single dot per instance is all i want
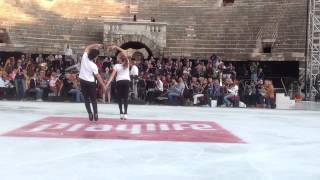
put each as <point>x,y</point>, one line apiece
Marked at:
<point>196,28</point>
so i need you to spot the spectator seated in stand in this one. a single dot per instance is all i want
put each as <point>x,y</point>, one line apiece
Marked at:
<point>232,93</point>
<point>142,85</point>
<point>260,91</point>
<point>249,93</point>
<point>196,90</point>
<point>43,85</point>
<point>71,87</point>
<point>156,91</point>
<point>34,88</point>
<point>54,84</point>
<point>4,84</point>
<point>175,92</point>
<point>9,74</point>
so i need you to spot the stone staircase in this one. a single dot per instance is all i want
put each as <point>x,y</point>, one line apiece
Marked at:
<point>229,31</point>
<point>196,28</point>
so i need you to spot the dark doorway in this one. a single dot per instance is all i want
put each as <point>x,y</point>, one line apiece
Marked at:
<point>273,70</point>
<point>4,38</point>
<point>267,48</point>
<point>228,2</point>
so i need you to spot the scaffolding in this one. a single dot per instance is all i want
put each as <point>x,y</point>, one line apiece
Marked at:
<point>313,54</point>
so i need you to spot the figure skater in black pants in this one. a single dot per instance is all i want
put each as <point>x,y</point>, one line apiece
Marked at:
<point>88,75</point>
<point>121,71</point>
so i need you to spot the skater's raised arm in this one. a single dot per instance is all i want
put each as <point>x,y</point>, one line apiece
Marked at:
<point>124,52</point>
<point>93,46</point>
<point>118,48</point>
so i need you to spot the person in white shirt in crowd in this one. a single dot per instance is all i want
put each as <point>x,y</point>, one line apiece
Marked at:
<point>232,89</point>
<point>68,53</point>
<point>159,85</point>
<point>121,72</point>
<point>157,91</point>
<point>134,72</point>
<point>3,85</point>
<point>39,59</point>
<point>88,75</point>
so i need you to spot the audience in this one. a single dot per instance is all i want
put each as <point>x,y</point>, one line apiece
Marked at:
<point>182,81</point>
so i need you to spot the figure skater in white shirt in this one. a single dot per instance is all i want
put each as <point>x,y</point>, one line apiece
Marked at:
<point>121,72</point>
<point>88,76</point>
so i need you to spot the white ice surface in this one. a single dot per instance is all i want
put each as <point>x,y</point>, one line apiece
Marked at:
<point>281,145</point>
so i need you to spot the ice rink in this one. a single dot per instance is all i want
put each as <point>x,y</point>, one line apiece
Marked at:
<point>54,141</point>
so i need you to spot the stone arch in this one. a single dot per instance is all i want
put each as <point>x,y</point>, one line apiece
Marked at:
<point>135,46</point>
<point>151,45</point>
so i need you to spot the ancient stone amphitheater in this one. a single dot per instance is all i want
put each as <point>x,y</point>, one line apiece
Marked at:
<point>239,30</point>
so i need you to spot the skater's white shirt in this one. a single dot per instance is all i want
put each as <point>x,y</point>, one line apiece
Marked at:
<point>134,71</point>
<point>122,73</point>
<point>88,69</point>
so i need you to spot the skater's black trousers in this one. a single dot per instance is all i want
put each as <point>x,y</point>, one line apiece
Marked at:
<point>89,93</point>
<point>122,87</point>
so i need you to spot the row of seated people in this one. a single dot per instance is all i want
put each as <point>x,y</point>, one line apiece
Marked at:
<point>259,93</point>
<point>201,91</point>
<point>196,91</point>
<point>41,87</point>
